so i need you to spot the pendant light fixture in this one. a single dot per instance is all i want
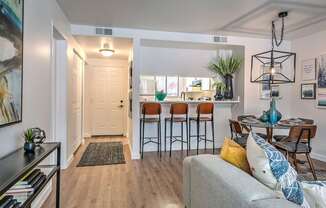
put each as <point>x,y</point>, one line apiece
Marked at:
<point>275,67</point>
<point>106,51</point>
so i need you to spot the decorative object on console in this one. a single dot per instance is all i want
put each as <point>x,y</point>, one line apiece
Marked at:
<point>39,135</point>
<point>308,71</point>
<point>225,68</point>
<point>160,95</point>
<point>308,91</point>
<point>11,61</point>
<point>321,92</point>
<point>29,145</point>
<point>220,88</point>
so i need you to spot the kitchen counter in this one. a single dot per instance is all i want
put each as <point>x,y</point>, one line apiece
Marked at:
<point>193,101</point>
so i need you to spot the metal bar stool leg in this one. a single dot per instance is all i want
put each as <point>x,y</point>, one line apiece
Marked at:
<point>140,135</point>
<point>143,138</point>
<point>160,138</point>
<point>171,136</point>
<point>213,135</point>
<point>205,135</point>
<point>187,137</point>
<point>182,137</point>
<point>165,122</point>
<point>198,131</point>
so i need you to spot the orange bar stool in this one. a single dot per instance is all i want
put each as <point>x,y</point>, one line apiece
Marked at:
<point>151,113</point>
<point>205,114</point>
<point>178,114</point>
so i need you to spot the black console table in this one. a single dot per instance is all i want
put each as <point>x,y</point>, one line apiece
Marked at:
<point>16,165</point>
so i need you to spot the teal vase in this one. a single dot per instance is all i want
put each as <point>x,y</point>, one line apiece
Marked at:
<point>274,114</point>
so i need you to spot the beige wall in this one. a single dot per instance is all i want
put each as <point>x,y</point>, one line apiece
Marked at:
<point>306,48</point>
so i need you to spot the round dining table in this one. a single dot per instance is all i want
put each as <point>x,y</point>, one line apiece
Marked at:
<point>253,122</point>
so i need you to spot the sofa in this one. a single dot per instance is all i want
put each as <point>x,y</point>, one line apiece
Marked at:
<point>210,182</point>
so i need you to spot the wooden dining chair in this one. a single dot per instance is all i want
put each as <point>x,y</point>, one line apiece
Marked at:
<point>297,143</point>
<point>279,138</point>
<point>237,133</point>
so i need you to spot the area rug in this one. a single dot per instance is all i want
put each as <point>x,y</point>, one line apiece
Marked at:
<point>102,153</point>
<point>304,172</point>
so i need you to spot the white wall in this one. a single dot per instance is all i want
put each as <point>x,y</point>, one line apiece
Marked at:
<point>306,48</point>
<point>91,63</point>
<point>39,16</point>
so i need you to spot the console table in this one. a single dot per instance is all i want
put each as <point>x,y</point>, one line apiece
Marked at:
<point>16,165</point>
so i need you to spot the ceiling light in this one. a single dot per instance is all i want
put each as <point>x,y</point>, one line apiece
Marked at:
<point>106,51</point>
<point>276,67</point>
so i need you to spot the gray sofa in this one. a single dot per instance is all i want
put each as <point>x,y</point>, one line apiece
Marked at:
<point>210,182</point>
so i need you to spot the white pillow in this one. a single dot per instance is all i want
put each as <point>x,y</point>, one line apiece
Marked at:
<point>259,164</point>
<point>315,193</point>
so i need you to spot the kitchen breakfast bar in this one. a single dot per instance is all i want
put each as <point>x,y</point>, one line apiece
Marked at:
<point>221,111</point>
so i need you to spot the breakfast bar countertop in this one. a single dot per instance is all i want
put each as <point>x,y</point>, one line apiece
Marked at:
<point>192,101</point>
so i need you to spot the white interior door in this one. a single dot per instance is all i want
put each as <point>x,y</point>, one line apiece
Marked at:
<point>108,101</point>
<point>76,117</point>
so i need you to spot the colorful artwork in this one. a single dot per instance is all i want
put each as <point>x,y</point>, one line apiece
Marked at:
<point>11,61</point>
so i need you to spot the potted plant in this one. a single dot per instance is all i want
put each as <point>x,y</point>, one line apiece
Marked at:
<point>29,145</point>
<point>220,88</point>
<point>225,68</point>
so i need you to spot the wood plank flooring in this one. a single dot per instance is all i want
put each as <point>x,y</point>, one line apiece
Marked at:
<point>146,183</point>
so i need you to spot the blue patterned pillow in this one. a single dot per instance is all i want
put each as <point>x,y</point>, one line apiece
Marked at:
<point>283,172</point>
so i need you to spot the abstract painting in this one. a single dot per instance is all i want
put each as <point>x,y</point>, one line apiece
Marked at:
<point>11,61</point>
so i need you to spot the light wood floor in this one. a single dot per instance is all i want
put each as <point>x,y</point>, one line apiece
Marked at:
<point>138,183</point>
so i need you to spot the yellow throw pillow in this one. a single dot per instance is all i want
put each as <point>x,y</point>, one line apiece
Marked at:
<point>233,153</point>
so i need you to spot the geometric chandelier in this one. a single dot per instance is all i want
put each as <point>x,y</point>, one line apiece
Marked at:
<point>275,67</point>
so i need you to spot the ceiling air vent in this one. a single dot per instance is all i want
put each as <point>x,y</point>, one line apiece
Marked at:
<point>103,31</point>
<point>220,39</point>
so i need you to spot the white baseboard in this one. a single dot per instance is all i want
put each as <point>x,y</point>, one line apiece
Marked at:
<point>318,156</point>
<point>68,162</point>
<point>41,198</point>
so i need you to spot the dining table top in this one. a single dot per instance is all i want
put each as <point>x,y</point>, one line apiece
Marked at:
<point>283,124</point>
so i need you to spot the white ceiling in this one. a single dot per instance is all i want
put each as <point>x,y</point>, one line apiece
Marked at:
<point>199,16</point>
<point>92,44</point>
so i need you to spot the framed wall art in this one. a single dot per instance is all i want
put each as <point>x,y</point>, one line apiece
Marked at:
<point>321,82</point>
<point>308,91</point>
<point>11,61</point>
<point>308,70</point>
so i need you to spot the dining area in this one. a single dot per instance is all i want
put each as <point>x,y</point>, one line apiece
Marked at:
<point>296,145</point>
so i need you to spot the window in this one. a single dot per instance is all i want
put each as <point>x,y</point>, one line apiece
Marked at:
<point>147,85</point>
<point>160,83</point>
<point>172,86</point>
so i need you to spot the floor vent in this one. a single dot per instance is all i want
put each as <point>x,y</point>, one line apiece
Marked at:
<point>220,39</point>
<point>103,31</point>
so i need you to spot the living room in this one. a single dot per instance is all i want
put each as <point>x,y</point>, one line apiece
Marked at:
<point>174,76</point>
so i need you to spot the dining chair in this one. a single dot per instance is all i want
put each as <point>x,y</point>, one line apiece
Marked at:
<point>237,133</point>
<point>298,142</point>
<point>279,138</point>
<point>248,129</point>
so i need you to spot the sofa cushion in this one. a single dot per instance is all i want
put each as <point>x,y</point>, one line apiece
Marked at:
<point>273,169</point>
<point>315,193</point>
<point>233,153</point>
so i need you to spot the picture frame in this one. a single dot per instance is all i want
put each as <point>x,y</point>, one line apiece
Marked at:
<point>321,81</point>
<point>308,91</point>
<point>11,53</point>
<point>265,92</point>
<point>308,69</point>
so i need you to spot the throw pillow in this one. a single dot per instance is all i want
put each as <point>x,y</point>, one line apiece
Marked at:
<point>233,153</point>
<point>315,192</point>
<point>280,175</point>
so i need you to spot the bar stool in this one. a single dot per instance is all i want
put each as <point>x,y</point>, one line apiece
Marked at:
<point>205,113</point>
<point>178,114</point>
<point>153,111</point>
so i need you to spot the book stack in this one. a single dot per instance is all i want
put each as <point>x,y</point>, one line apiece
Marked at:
<point>22,190</point>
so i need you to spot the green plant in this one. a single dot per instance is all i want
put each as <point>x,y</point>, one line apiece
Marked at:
<point>220,86</point>
<point>29,136</point>
<point>225,66</point>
